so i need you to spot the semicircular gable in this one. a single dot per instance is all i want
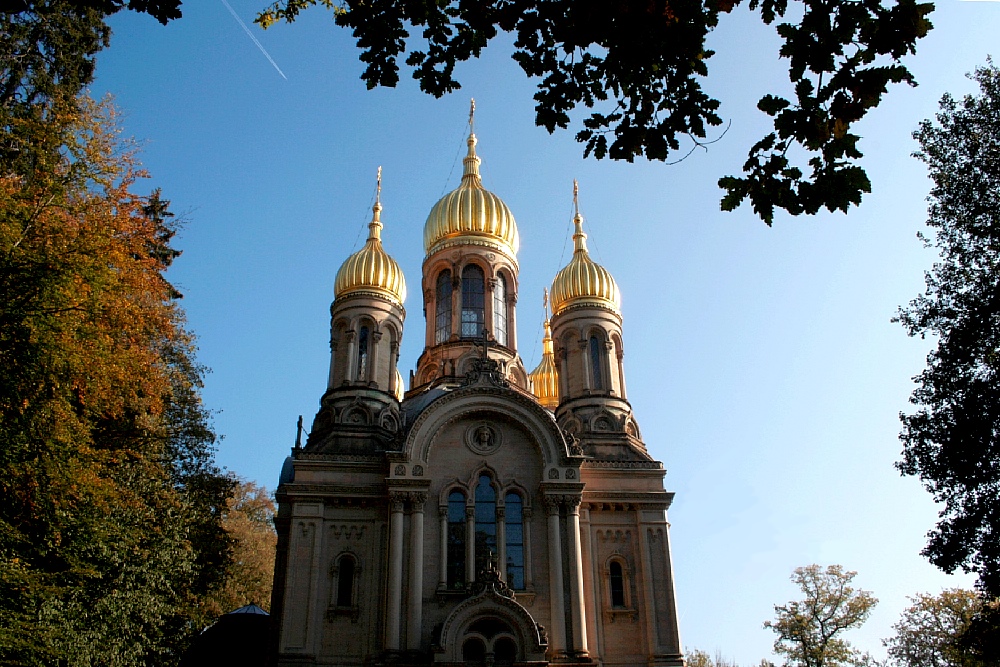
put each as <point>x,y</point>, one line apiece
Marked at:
<point>508,405</point>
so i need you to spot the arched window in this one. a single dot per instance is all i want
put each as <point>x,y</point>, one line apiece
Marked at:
<point>473,301</point>
<point>486,521</point>
<point>363,353</point>
<point>442,315</point>
<point>595,363</point>
<point>456,539</point>
<point>500,310</point>
<point>514,534</point>
<point>616,582</point>
<point>345,581</point>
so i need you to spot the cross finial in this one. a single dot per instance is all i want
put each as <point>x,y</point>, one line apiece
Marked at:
<point>472,112</point>
<point>378,187</point>
<point>298,434</point>
<point>486,344</point>
<point>545,301</point>
<point>576,198</point>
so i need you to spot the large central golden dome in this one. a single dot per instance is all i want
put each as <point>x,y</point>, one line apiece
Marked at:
<point>471,215</point>
<point>371,269</point>
<point>583,281</point>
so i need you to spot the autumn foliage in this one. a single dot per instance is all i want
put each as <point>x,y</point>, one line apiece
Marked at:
<point>110,526</point>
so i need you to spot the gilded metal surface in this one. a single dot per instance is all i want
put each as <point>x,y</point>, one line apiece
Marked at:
<point>584,281</point>
<point>544,380</point>
<point>371,268</point>
<point>472,212</point>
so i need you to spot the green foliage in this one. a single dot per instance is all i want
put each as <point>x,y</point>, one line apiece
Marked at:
<point>952,441</point>
<point>110,526</point>
<point>47,47</point>
<point>809,629</point>
<point>930,630</point>
<point>638,66</point>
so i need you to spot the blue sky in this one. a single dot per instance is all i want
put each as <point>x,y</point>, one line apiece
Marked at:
<point>761,362</point>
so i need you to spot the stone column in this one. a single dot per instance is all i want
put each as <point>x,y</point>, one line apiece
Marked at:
<point>647,582</point>
<point>502,542</point>
<point>526,515</point>
<point>393,611</point>
<point>558,612</point>
<point>373,355</point>
<point>578,610</point>
<point>512,319</point>
<point>609,359</point>
<point>585,364</point>
<point>352,355</point>
<point>415,609</point>
<point>621,372</point>
<point>443,556</point>
<point>470,545</point>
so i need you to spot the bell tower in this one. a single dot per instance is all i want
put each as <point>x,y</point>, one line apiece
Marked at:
<point>469,279</point>
<point>364,386</point>
<point>587,337</point>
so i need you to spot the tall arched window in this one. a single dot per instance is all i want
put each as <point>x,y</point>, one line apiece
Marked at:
<point>442,314</point>
<point>363,353</point>
<point>514,534</point>
<point>456,539</point>
<point>500,310</point>
<point>473,301</point>
<point>596,370</point>
<point>345,581</point>
<point>616,581</point>
<point>486,521</point>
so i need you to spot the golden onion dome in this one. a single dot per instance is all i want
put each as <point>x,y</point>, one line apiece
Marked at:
<point>583,281</point>
<point>471,215</point>
<point>371,269</point>
<point>544,380</point>
<point>399,386</point>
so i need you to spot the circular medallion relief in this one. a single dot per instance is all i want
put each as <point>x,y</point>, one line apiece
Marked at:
<point>483,438</point>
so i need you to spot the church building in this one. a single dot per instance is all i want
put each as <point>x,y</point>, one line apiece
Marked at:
<point>485,515</point>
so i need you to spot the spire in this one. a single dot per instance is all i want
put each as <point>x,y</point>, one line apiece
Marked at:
<point>471,161</point>
<point>375,226</point>
<point>547,337</point>
<point>579,236</point>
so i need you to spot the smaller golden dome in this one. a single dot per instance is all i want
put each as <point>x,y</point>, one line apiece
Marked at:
<point>371,269</point>
<point>471,214</point>
<point>400,390</point>
<point>583,281</point>
<point>544,380</point>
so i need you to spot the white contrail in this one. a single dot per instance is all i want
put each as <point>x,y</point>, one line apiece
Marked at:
<point>250,35</point>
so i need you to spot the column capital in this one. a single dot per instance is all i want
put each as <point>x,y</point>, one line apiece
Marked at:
<point>397,501</point>
<point>572,503</point>
<point>551,504</point>
<point>417,500</point>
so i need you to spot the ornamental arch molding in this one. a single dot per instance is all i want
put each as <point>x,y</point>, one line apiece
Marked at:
<point>488,606</point>
<point>503,405</point>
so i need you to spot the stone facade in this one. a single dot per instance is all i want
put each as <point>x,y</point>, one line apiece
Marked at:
<point>466,523</point>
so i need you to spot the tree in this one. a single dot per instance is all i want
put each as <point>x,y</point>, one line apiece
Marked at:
<point>47,47</point>
<point>698,658</point>
<point>637,65</point>
<point>808,630</point>
<point>249,522</point>
<point>929,632</point>
<point>952,440</point>
<point>110,524</point>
